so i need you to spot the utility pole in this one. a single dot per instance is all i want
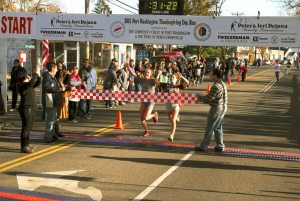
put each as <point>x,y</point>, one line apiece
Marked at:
<point>87,45</point>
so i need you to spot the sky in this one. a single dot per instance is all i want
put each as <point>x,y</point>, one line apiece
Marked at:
<point>230,7</point>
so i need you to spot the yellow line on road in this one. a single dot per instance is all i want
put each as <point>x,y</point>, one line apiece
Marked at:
<point>39,156</point>
<point>31,157</point>
<point>33,154</point>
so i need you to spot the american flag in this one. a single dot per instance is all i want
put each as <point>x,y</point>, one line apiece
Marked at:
<point>45,53</point>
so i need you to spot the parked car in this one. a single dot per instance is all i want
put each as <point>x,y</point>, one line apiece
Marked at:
<point>169,56</point>
<point>210,63</point>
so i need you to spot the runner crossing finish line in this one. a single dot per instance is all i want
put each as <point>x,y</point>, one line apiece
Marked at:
<point>176,98</point>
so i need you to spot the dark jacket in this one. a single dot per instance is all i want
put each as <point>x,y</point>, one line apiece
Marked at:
<point>110,79</point>
<point>2,106</point>
<point>51,91</point>
<point>15,76</point>
<point>27,93</point>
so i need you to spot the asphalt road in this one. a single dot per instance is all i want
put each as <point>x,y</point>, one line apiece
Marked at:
<point>97,162</point>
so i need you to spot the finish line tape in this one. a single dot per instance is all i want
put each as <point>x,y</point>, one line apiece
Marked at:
<point>132,96</point>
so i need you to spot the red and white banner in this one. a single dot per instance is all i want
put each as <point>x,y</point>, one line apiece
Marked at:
<point>18,25</point>
<point>132,96</point>
<point>45,53</point>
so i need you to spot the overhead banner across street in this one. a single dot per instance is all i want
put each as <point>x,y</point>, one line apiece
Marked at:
<point>156,29</point>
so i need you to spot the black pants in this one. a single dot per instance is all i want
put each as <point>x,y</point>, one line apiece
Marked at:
<point>14,98</point>
<point>27,115</point>
<point>277,76</point>
<point>88,106</point>
<point>72,110</point>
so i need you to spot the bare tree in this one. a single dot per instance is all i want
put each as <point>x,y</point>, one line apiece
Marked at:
<point>29,6</point>
<point>292,4</point>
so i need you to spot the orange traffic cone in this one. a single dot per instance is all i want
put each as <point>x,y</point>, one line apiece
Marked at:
<point>119,124</point>
<point>228,82</point>
<point>238,78</point>
<point>208,88</point>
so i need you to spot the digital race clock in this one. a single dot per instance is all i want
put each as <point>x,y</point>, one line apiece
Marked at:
<point>161,7</point>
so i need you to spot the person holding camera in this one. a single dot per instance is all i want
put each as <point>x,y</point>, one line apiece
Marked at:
<point>27,106</point>
<point>15,73</point>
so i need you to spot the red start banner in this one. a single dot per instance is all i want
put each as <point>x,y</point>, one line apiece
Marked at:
<point>17,25</point>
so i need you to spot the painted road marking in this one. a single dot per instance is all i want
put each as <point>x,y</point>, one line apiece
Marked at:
<point>270,84</point>
<point>252,153</point>
<point>33,154</point>
<point>10,194</point>
<point>6,195</point>
<point>158,181</point>
<point>63,146</point>
<point>31,182</point>
<point>29,157</point>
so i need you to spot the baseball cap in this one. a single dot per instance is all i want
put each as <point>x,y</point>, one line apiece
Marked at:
<point>146,59</point>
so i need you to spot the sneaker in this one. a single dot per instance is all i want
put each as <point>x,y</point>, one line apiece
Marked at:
<point>218,149</point>
<point>146,133</point>
<point>74,121</point>
<point>60,135</point>
<point>12,110</point>
<point>122,103</point>
<point>155,118</point>
<point>201,149</point>
<point>171,138</point>
<point>27,150</point>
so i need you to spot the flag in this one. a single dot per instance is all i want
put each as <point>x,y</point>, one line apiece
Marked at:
<point>45,53</point>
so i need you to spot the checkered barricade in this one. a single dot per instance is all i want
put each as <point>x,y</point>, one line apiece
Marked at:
<point>132,96</point>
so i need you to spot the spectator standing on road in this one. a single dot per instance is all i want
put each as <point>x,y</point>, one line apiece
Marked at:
<point>84,76</point>
<point>50,100</point>
<point>27,106</point>
<point>217,99</point>
<point>243,71</point>
<point>74,83</point>
<point>62,111</point>
<point>16,71</point>
<point>172,108</point>
<point>2,106</point>
<point>288,67</point>
<point>277,70</point>
<point>109,83</point>
<point>148,85</point>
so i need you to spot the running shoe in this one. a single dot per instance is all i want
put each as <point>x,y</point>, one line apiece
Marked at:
<point>146,133</point>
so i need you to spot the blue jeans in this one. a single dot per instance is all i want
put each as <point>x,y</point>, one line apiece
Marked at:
<point>214,126</point>
<point>81,108</point>
<point>51,124</point>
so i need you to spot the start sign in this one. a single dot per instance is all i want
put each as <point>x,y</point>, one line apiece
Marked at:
<point>17,25</point>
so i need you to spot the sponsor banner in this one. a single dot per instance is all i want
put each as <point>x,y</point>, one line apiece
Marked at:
<point>154,29</point>
<point>17,25</point>
<point>181,30</point>
<point>71,27</point>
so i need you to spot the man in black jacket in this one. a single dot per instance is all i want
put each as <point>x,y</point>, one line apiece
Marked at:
<point>50,100</point>
<point>16,71</point>
<point>27,106</point>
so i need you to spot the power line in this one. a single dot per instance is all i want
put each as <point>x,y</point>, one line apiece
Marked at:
<point>127,5</point>
<point>120,7</point>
